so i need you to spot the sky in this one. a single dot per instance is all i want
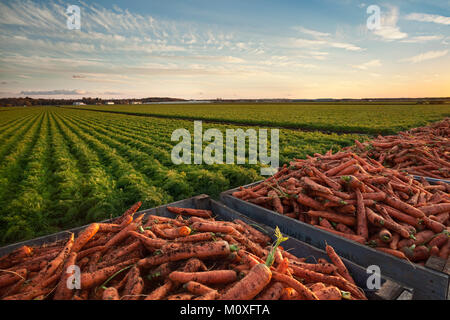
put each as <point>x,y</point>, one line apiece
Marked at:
<point>207,49</point>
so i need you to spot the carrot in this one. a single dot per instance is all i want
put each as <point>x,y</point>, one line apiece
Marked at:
<point>211,295</point>
<point>129,213</point>
<point>201,250</point>
<point>361,216</point>
<point>303,291</point>
<point>337,261</point>
<point>204,236</point>
<point>310,184</point>
<point>84,236</point>
<point>340,167</point>
<point>353,183</point>
<point>329,293</point>
<point>348,236</point>
<point>160,292</point>
<point>257,235</point>
<point>110,227</point>
<point>343,228</point>
<point>395,239</point>
<point>87,252</point>
<point>341,283</point>
<point>63,291</point>
<point>347,220</point>
<point>436,226</point>
<point>276,202</point>
<point>403,207</point>
<point>110,294</point>
<point>92,279</point>
<point>197,288</point>
<point>134,285</point>
<point>325,223</point>
<point>385,235</point>
<point>289,294</point>
<point>416,254</point>
<point>191,212</point>
<point>252,284</point>
<point>397,253</point>
<point>272,292</point>
<point>377,220</point>
<point>212,227</point>
<point>53,265</point>
<point>435,209</point>
<point>15,257</point>
<point>439,240</point>
<point>309,202</point>
<point>394,213</point>
<point>149,243</point>
<point>119,237</point>
<point>445,250</point>
<point>326,268</point>
<point>434,251</point>
<point>10,277</point>
<point>206,277</point>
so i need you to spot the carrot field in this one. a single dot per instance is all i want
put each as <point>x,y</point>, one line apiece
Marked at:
<point>367,118</point>
<point>62,168</point>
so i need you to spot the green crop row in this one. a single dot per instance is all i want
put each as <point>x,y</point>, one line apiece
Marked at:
<point>342,118</point>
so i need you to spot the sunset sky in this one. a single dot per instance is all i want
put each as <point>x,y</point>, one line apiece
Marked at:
<point>203,49</point>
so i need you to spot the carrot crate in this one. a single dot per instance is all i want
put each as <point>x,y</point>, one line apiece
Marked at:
<point>428,283</point>
<point>388,290</point>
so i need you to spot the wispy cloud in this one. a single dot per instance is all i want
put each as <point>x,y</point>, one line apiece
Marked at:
<point>54,93</point>
<point>426,56</point>
<point>314,33</point>
<point>421,39</point>
<point>369,64</point>
<point>423,17</point>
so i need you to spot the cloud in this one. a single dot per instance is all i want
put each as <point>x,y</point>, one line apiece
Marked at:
<point>53,92</point>
<point>426,56</point>
<point>423,17</point>
<point>314,33</point>
<point>388,29</point>
<point>420,39</point>
<point>308,43</point>
<point>369,64</point>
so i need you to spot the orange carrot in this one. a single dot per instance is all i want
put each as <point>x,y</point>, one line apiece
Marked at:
<point>337,261</point>
<point>303,291</point>
<point>92,279</point>
<point>191,212</point>
<point>348,236</point>
<point>110,294</point>
<point>361,216</point>
<point>377,220</point>
<point>347,220</point>
<point>272,292</point>
<point>63,291</point>
<point>201,250</point>
<point>329,293</point>
<point>205,277</point>
<point>212,227</point>
<point>252,284</point>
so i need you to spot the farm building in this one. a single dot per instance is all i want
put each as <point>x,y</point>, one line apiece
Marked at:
<point>79,103</point>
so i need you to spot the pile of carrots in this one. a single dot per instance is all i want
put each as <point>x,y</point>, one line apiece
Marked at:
<point>361,200</point>
<point>421,151</point>
<point>189,257</point>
